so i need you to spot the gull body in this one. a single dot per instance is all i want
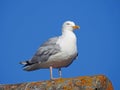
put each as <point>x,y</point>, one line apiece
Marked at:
<point>57,52</point>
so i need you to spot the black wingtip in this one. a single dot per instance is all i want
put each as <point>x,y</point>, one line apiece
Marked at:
<point>23,62</point>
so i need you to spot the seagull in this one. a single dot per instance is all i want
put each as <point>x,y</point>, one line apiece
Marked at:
<point>56,52</point>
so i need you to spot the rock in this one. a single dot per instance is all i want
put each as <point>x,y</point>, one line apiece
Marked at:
<point>97,82</point>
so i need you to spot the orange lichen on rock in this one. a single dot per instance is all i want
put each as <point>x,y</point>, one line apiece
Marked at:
<point>110,87</point>
<point>97,82</point>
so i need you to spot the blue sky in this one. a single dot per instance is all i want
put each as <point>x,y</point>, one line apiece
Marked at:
<point>26,24</point>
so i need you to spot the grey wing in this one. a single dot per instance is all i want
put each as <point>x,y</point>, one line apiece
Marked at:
<point>45,51</point>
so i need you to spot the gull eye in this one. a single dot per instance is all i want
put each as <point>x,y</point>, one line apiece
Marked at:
<point>67,23</point>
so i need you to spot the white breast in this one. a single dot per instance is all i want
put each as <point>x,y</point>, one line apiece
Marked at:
<point>67,43</point>
<point>67,53</point>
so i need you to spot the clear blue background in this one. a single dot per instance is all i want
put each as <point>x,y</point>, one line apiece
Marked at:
<point>25,25</point>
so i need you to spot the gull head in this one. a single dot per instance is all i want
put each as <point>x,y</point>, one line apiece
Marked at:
<point>70,26</point>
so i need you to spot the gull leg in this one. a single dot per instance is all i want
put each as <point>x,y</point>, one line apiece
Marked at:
<point>51,76</point>
<point>60,72</point>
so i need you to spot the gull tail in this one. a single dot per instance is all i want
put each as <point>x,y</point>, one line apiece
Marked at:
<point>27,65</point>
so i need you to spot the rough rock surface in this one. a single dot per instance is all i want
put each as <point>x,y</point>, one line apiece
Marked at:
<point>97,82</point>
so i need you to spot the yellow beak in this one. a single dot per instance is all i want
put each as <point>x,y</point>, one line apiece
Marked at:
<point>76,27</point>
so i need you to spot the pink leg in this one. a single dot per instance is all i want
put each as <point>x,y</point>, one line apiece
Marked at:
<point>51,76</point>
<point>60,72</point>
